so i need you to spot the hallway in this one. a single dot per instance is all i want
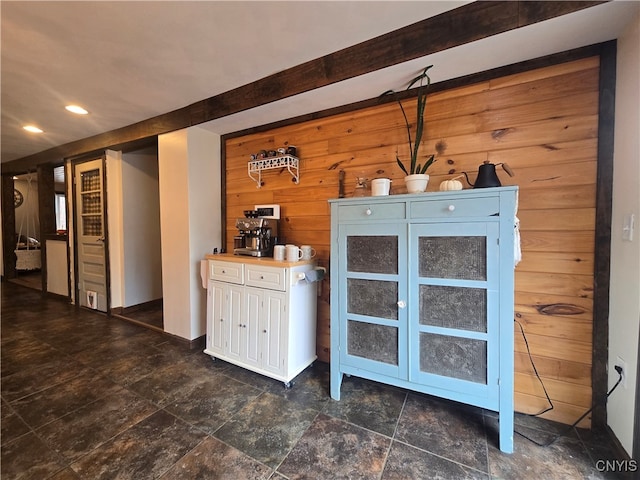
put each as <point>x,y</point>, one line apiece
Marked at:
<point>30,279</point>
<point>85,396</point>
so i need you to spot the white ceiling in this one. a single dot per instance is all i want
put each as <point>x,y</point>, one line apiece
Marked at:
<point>130,61</point>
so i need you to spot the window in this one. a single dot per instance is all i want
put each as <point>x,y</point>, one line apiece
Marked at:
<point>61,211</point>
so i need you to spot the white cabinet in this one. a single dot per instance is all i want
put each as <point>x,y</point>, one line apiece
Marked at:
<point>261,315</point>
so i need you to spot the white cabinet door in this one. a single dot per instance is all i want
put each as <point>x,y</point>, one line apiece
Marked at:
<point>218,326</point>
<point>234,316</point>
<point>224,306</point>
<point>274,333</point>
<point>251,326</point>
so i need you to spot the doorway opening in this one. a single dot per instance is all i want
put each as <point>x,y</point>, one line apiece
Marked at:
<point>141,265</point>
<point>28,254</point>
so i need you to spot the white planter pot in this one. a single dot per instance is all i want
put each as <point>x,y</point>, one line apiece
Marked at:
<point>416,183</point>
<point>380,186</point>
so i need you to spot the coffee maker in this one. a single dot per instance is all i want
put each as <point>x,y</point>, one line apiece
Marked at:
<point>257,231</point>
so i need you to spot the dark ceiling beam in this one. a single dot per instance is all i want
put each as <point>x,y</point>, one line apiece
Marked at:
<point>462,25</point>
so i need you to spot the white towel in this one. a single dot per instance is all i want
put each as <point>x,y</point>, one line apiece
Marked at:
<point>517,252</point>
<point>204,273</point>
<point>315,275</point>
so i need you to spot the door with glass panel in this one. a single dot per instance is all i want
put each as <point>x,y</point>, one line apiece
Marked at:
<point>373,335</point>
<point>453,302</point>
<point>91,235</point>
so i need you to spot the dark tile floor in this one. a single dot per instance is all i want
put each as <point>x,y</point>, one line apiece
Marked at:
<point>90,397</point>
<point>29,278</point>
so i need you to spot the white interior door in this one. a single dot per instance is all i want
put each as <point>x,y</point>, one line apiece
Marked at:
<point>91,235</point>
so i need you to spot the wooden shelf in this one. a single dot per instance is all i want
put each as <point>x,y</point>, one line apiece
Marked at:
<point>256,167</point>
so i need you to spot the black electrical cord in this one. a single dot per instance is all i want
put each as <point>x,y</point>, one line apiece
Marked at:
<point>535,370</point>
<point>570,427</point>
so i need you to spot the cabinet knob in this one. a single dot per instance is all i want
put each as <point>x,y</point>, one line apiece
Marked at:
<point>368,211</point>
<point>451,208</point>
<point>264,331</point>
<point>261,277</point>
<point>222,319</point>
<point>224,271</point>
<point>401,304</point>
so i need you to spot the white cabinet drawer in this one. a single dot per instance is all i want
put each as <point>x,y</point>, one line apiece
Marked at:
<point>455,208</point>
<point>266,277</point>
<point>226,271</point>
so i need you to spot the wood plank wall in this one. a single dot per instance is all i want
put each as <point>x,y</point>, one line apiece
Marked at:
<point>544,124</point>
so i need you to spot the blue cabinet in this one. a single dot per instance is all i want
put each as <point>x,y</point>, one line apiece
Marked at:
<point>422,295</point>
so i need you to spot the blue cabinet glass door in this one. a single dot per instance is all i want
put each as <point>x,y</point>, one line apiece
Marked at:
<point>453,307</point>
<point>372,298</point>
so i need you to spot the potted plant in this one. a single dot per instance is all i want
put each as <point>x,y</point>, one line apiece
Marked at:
<point>416,178</point>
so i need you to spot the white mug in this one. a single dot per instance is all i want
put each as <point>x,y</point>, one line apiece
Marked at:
<point>278,253</point>
<point>293,253</point>
<point>308,252</point>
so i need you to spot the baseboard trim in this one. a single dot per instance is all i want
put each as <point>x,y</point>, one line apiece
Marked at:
<point>142,306</point>
<point>198,343</point>
<point>195,344</point>
<point>57,296</point>
<point>627,469</point>
<point>120,316</point>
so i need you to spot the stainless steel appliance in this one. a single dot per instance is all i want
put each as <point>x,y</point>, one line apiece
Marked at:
<point>257,232</point>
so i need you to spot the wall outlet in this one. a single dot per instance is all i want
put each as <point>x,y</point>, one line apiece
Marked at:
<point>621,363</point>
<point>628,226</point>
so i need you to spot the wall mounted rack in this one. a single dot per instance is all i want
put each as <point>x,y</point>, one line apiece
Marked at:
<point>256,167</point>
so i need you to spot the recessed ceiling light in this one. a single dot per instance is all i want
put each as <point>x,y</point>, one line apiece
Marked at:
<point>32,129</point>
<point>76,109</point>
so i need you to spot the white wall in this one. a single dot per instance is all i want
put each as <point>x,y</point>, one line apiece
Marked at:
<point>115,227</point>
<point>624,310</point>
<point>142,260</point>
<point>57,267</point>
<point>190,215</point>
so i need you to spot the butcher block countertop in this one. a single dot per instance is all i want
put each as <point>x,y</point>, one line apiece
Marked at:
<point>264,261</point>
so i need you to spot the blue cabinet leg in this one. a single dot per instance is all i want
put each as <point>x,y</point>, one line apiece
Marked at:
<point>506,431</point>
<point>336,382</point>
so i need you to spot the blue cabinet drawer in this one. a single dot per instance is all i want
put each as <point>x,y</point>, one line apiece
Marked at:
<point>455,208</point>
<point>373,211</point>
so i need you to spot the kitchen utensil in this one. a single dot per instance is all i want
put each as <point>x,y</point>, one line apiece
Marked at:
<point>278,253</point>
<point>487,176</point>
<point>293,253</point>
<point>308,252</point>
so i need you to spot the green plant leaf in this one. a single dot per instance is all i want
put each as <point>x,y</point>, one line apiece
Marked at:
<point>402,166</point>
<point>419,131</point>
<point>428,163</point>
<point>421,77</point>
<point>414,143</point>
